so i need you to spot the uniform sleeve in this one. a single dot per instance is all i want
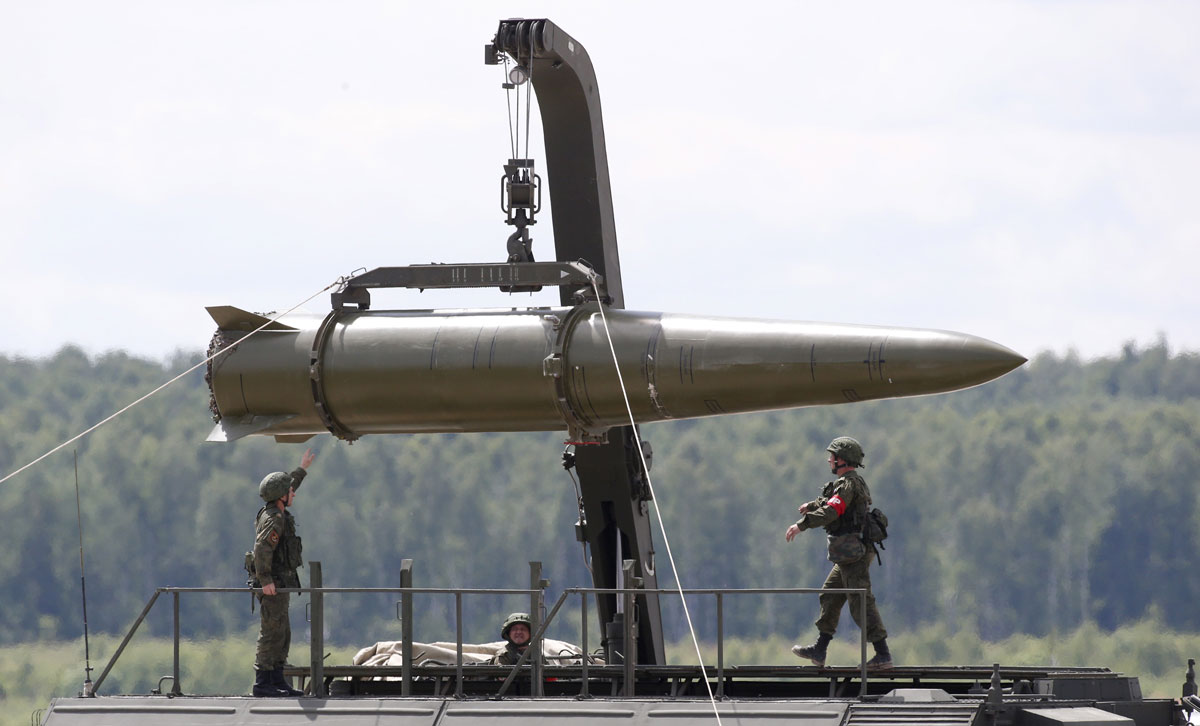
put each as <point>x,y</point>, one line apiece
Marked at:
<point>266,538</point>
<point>298,475</point>
<point>809,507</point>
<point>831,508</point>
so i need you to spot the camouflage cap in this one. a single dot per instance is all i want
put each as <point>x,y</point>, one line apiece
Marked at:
<point>847,449</point>
<point>512,620</point>
<point>274,486</point>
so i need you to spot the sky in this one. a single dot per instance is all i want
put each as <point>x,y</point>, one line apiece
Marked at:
<point>1022,171</point>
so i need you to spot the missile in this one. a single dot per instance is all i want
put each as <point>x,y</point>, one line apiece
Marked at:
<point>358,372</point>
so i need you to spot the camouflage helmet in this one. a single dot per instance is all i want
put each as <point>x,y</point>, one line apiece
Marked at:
<point>274,486</point>
<point>847,449</point>
<point>512,620</point>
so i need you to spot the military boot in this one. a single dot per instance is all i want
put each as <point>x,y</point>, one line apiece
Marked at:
<point>279,681</point>
<point>883,658</point>
<point>816,651</point>
<point>264,685</point>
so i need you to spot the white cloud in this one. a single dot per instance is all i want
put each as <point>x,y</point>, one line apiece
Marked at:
<point>1024,171</point>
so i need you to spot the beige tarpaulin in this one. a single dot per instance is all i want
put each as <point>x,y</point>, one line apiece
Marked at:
<point>387,653</point>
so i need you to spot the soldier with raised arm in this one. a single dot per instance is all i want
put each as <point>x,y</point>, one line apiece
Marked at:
<point>277,557</point>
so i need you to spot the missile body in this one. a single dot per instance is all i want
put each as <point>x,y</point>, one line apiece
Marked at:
<point>374,372</point>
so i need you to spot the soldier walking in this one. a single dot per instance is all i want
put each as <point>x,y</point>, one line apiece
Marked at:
<point>277,556</point>
<point>842,509</point>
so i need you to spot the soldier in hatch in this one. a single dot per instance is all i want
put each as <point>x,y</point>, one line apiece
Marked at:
<point>277,556</point>
<point>842,510</point>
<point>517,631</point>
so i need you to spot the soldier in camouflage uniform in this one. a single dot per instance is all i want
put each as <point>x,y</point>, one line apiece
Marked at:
<point>277,555</point>
<point>517,631</point>
<point>842,510</point>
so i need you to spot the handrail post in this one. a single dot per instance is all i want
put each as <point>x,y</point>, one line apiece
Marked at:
<point>175,689</point>
<point>317,629</point>
<point>536,605</point>
<point>630,654</point>
<point>406,628</point>
<point>535,583</point>
<point>720,647</point>
<point>862,634</point>
<point>583,616</point>
<point>458,636</point>
<point>538,663</point>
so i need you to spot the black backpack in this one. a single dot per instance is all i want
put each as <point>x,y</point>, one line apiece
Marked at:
<point>875,531</point>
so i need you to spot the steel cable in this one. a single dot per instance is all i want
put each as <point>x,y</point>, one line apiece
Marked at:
<point>512,142</point>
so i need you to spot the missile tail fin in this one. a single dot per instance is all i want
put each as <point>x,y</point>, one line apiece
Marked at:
<point>228,430</point>
<point>227,317</point>
<point>292,438</point>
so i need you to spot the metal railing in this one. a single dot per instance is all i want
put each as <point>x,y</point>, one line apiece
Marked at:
<point>532,655</point>
<point>628,659</point>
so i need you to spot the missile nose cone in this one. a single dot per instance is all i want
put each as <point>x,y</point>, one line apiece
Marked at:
<point>993,359</point>
<point>951,361</point>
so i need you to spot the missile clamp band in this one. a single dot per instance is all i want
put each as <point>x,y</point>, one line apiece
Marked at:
<point>555,366</point>
<point>315,366</point>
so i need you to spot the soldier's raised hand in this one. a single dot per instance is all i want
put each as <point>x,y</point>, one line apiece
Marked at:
<point>307,459</point>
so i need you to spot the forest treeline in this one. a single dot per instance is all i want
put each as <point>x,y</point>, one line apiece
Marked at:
<point>1063,494</point>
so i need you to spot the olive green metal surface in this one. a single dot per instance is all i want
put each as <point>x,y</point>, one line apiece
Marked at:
<point>544,370</point>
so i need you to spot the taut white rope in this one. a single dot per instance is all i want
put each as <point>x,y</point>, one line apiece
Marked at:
<point>657,511</point>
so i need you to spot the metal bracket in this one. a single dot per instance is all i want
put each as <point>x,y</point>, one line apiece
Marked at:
<point>521,200</point>
<point>520,188</point>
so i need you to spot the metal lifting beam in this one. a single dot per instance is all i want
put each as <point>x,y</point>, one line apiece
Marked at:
<point>575,277</point>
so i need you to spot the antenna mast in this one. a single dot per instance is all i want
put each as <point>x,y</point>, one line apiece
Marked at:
<point>87,656</point>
